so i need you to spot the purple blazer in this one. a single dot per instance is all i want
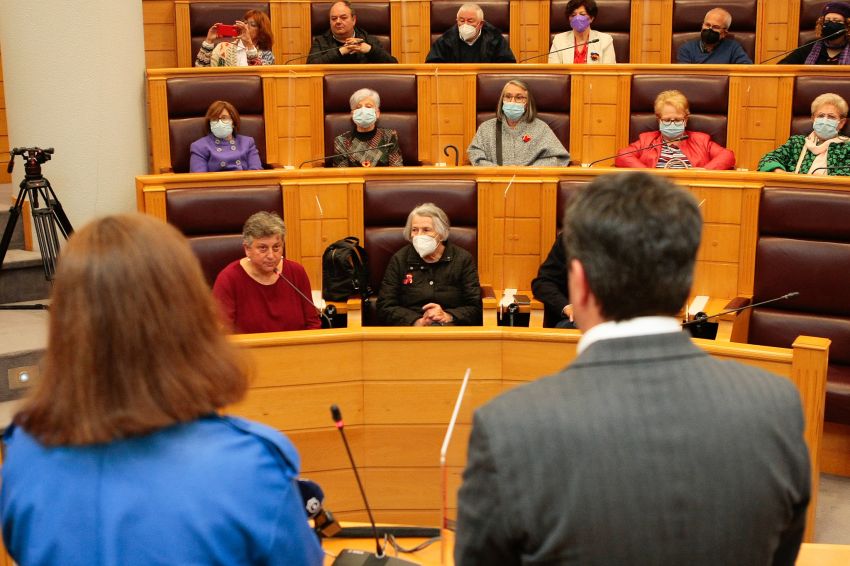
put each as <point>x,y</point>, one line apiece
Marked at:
<point>210,154</point>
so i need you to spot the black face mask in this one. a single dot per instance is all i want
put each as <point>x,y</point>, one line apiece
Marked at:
<point>709,36</point>
<point>830,28</point>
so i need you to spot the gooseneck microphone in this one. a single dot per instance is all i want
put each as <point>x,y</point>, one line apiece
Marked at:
<point>344,154</point>
<point>559,50</point>
<point>830,36</point>
<point>659,144</point>
<point>353,557</point>
<point>702,317</point>
<point>319,311</point>
<point>324,523</point>
<point>288,61</point>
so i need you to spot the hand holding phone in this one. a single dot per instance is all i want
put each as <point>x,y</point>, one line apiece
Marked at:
<point>225,30</point>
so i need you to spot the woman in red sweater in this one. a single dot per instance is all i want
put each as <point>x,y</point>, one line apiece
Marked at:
<point>260,292</point>
<point>675,146</point>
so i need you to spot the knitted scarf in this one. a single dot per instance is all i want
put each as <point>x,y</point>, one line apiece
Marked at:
<point>844,58</point>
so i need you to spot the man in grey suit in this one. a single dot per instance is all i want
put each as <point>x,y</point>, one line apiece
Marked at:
<point>645,450</point>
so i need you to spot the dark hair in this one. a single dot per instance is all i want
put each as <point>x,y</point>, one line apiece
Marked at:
<point>636,235</point>
<point>589,5</point>
<point>214,111</point>
<point>265,37</point>
<point>347,4</point>
<point>135,341</point>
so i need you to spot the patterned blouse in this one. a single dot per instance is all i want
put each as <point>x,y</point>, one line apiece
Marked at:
<point>358,149</point>
<point>785,157</point>
<point>672,153</point>
<point>224,55</point>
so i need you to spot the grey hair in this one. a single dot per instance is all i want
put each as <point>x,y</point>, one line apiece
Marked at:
<point>364,93</point>
<point>478,11</point>
<point>830,98</point>
<point>262,225</point>
<point>726,16</point>
<point>429,210</point>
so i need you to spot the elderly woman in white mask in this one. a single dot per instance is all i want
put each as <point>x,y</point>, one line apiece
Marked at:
<point>431,281</point>
<point>367,145</point>
<point>824,151</point>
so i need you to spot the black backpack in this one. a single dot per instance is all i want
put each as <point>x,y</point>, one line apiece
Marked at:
<point>345,271</point>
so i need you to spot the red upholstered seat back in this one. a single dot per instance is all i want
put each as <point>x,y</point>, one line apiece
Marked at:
<point>551,94</point>
<point>188,100</point>
<point>708,96</point>
<point>804,245</point>
<point>212,220</point>
<point>809,13</point>
<point>202,15</point>
<point>688,16</point>
<point>373,17</point>
<point>614,18</point>
<point>806,89</point>
<point>398,108</point>
<point>444,16</point>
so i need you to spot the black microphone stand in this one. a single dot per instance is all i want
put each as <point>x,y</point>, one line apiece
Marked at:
<point>344,154</point>
<point>659,144</point>
<point>834,34</point>
<point>559,50</point>
<point>699,327</point>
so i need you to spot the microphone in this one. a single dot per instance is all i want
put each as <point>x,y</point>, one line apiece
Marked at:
<point>826,169</point>
<point>288,61</point>
<point>319,311</point>
<point>350,557</point>
<point>833,34</point>
<point>559,50</point>
<point>693,326</point>
<point>346,154</point>
<point>680,138</point>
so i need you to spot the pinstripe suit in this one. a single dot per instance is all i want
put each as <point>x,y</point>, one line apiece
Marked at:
<point>645,450</point>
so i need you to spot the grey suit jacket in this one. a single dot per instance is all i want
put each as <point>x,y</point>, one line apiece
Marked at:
<point>645,450</point>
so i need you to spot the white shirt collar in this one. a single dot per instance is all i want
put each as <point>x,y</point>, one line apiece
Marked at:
<point>640,326</point>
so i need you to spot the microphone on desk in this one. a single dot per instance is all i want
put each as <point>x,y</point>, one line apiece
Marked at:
<point>659,144</point>
<point>826,169</point>
<point>325,525</point>
<point>699,327</point>
<point>830,36</point>
<point>345,154</point>
<point>559,50</point>
<point>326,314</point>
<point>288,61</point>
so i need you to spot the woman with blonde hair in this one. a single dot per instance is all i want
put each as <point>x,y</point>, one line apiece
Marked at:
<point>119,456</point>
<point>672,145</point>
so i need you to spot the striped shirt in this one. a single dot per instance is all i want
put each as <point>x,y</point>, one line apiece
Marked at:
<point>670,152</point>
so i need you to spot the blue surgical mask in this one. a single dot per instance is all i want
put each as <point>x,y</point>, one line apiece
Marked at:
<point>513,110</point>
<point>221,128</point>
<point>826,128</point>
<point>672,131</point>
<point>364,117</point>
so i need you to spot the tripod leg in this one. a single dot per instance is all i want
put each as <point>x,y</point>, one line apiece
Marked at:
<point>14,213</point>
<point>48,240</point>
<point>59,212</point>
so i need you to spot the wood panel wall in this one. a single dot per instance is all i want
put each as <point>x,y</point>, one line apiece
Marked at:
<point>167,29</point>
<point>396,413</point>
<point>4,132</point>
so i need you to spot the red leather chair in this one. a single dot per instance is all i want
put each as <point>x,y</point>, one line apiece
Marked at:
<point>708,96</point>
<point>372,17</point>
<point>614,18</point>
<point>444,16</point>
<point>688,16</point>
<point>551,94</point>
<point>188,99</point>
<point>809,13</point>
<point>398,108</point>
<point>386,205</point>
<point>212,220</point>
<point>806,89</point>
<point>202,15</point>
<point>804,245</point>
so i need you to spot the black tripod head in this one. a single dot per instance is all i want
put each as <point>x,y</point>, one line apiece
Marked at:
<point>33,158</point>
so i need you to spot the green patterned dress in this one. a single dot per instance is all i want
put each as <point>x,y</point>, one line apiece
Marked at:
<point>785,157</point>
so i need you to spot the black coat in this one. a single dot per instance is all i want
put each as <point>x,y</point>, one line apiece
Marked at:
<point>490,47</point>
<point>451,282</point>
<point>550,285</point>
<point>320,54</point>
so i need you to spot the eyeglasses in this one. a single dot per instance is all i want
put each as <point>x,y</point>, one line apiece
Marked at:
<point>515,98</point>
<point>673,122</point>
<point>224,120</point>
<point>828,116</point>
<point>714,27</point>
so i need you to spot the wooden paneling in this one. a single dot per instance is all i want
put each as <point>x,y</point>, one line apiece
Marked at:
<point>4,131</point>
<point>396,419</point>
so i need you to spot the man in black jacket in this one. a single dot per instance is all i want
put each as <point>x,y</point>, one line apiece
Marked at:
<point>345,43</point>
<point>472,40</point>
<point>550,288</point>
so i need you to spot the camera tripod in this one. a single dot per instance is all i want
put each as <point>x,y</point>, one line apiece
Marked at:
<point>48,220</point>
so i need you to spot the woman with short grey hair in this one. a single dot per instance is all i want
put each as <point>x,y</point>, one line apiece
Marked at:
<point>430,281</point>
<point>366,145</point>
<point>516,136</point>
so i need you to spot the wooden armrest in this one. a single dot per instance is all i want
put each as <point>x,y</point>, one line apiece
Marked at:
<point>487,292</point>
<point>166,170</point>
<point>741,325</point>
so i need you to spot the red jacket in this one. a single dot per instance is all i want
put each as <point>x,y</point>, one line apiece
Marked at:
<point>700,150</point>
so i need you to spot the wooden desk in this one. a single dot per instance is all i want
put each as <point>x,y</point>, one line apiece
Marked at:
<point>396,406</point>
